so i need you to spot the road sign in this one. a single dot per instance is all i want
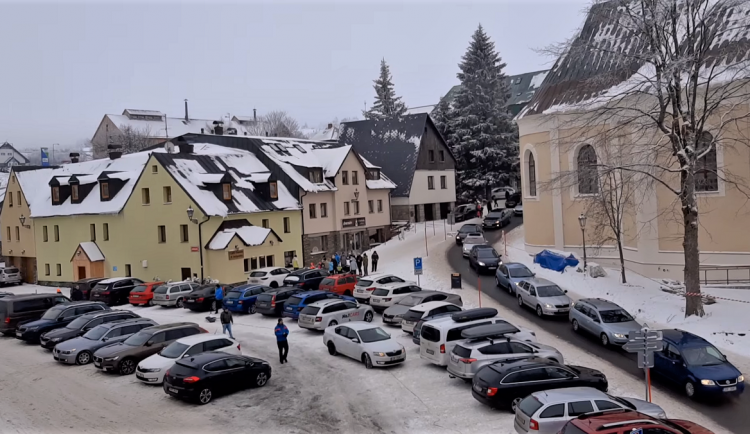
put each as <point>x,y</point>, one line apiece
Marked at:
<point>645,343</point>
<point>417,266</point>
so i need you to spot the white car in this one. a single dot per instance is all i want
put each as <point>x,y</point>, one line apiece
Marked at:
<point>420,311</point>
<point>499,192</point>
<point>390,294</point>
<point>269,276</point>
<point>470,241</point>
<point>327,313</point>
<point>365,285</point>
<point>518,210</point>
<point>365,342</point>
<point>152,369</point>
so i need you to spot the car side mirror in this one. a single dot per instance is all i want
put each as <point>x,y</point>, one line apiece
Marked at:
<point>148,344</point>
<point>355,340</point>
<point>565,291</point>
<point>184,356</point>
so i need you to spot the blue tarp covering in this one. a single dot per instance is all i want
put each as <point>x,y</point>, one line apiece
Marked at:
<point>554,261</point>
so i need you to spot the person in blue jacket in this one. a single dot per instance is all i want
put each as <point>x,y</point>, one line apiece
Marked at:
<point>219,297</point>
<point>281,333</point>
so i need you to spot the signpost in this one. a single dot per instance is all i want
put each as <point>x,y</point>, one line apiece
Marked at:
<point>417,268</point>
<point>645,343</point>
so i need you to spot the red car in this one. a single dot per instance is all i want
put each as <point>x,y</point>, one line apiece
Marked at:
<point>341,284</point>
<point>626,421</point>
<point>142,294</point>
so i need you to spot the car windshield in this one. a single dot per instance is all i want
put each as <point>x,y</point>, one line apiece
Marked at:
<point>96,333</point>
<point>310,310</point>
<point>294,300</point>
<point>520,272</point>
<point>174,350</point>
<point>265,297</point>
<point>487,253</point>
<point>380,291</point>
<point>161,289</point>
<point>52,313</point>
<point>373,335</point>
<point>615,315</point>
<point>467,229</point>
<point>328,282</point>
<point>411,300</point>
<point>78,323</point>
<point>549,291</point>
<point>703,356</point>
<point>258,274</point>
<point>139,288</point>
<point>138,339</point>
<point>494,215</point>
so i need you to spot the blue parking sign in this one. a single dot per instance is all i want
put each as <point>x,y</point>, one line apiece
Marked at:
<point>417,266</point>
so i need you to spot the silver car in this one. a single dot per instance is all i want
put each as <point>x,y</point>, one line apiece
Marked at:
<point>80,351</point>
<point>10,276</point>
<point>173,294</point>
<point>327,313</point>
<point>471,240</point>
<point>490,343</point>
<point>393,314</point>
<point>548,411</point>
<point>365,285</point>
<point>604,319</point>
<point>545,297</point>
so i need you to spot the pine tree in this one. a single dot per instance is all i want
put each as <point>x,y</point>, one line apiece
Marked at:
<point>483,135</point>
<point>441,116</point>
<point>387,104</point>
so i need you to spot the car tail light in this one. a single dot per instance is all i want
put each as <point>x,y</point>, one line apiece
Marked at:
<point>241,302</point>
<point>467,360</point>
<point>7,320</point>
<point>371,289</point>
<point>299,308</point>
<point>387,299</point>
<point>105,293</point>
<point>273,301</point>
<point>202,330</point>
<point>191,380</point>
<point>301,285</point>
<point>533,425</point>
<point>491,391</point>
<point>166,374</point>
<point>442,348</point>
<point>239,348</point>
<point>200,300</point>
<point>167,298</point>
<point>318,318</point>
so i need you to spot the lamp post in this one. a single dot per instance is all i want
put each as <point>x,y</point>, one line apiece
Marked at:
<point>582,221</point>
<point>190,212</point>
<point>22,219</point>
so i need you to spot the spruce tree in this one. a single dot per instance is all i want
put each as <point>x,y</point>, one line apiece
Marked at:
<point>483,135</point>
<point>441,116</point>
<point>387,104</point>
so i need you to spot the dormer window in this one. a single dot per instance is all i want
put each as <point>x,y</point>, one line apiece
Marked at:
<point>315,176</point>
<point>373,174</point>
<point>55,194</point>
<point>273,190</point>
<point>104,189</point>
<point>74,192</point>
<point>226,191</point>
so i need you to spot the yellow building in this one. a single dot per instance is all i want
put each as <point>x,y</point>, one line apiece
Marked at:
<point>152,215</point>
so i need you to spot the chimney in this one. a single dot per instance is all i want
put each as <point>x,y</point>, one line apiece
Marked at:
<point>187,118</point>
<point>218,128</point>
<point>245,132</point>
<point>201,130</point>
<point>114,152</point>
<point>74,157</point>
<point>255,115</point>
<point>185,147</point>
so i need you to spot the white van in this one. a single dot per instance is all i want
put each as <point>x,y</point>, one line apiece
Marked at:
<point>439,336</point>
<point>416,313</point>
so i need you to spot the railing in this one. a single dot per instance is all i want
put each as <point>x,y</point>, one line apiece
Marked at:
<point>725,275</point>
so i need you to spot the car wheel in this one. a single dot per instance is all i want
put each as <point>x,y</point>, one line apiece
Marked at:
<point>180,303</point>
<point>205,395</point>
<point>514,404</point>
<point>83,358</point>
<point>604,340</point>
<point>253,309</point>
<point>690,389</point>
<point>539,311</point>
<point>150,303</point>
<point>261,379</point>
<point>575,326</point>
<point>274,285</point>
<point>368,317</point>
<point>348,293</point>
<point>332,349</point>
<point>520,301</point>
<point>333,323</point>
<point>367,361</point>
<point>497,282</point>
<point>127,367</point>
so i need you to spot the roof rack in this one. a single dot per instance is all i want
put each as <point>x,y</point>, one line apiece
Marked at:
<point>627,422</point>
<point>602,412</point>
<point>489,331</point>
<point>472,314</point>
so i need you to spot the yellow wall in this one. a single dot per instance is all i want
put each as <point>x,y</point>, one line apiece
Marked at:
<point>232,270</point>
<point>10,219</point>
<point>537,218</point>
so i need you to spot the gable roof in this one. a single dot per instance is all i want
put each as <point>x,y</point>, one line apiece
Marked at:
<point>173,127</point>
<point>91,250</point>
<point>247,233</point>
<point>331,133</point>
<point>7,145</point>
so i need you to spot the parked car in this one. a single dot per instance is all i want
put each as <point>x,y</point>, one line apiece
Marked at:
<point>465,212</point>
<point>123,357</point>
<point>514,200</point>
<point>268,276</point>
<point>204,376</point>
<point>518,210</point>
<point>5,294</point>
<point>394,314</point>
<point>505,385</point>
<point>17,309</point>
<point>327,313</point>
<point>416,313</point>
<point>629,422</point>
<point>242,298</point>
<point>305,278</point>
<point>471,240</point>
<point>56,317</point>
<point>152,369</point>
<point>82,324</point>
<point>342,284</point>
<point>488,344</point>
<point>80,350</point>
<point>415,336</point>
<point>465,230</point>
<point>548,411</point>
<point>545,297</point>
<point>203,298</point>
<point>389,294</point>
<point>294,304</point>
<point>173,294</point>
<point>272,302</point>
<point>365,342</point>
<point>143,294</point>
<point>510,274</point>
<point>365,285</point>
<point>484,259</point>
<point>499,192</point>
<point>497,219</point>
<point>10,276</point>
<point>699,368</point>
<point>114,291</point>
<point>604,319</point>
<point>86,285</point>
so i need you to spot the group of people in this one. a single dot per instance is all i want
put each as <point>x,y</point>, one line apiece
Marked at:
<point>354,264</point>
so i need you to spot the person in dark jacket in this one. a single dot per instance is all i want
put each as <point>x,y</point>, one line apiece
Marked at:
<point>507,195</point>
<point>219,297</point>
<point>375,258</point>
<point>359,264</point>
<point>76,294</point>
<point>282,332</point>
<point>226,322</point>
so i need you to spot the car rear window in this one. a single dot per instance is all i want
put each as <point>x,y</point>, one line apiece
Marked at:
<point>233,294</point>
<point>11,270</point>
<point>412,315</point>
<point>364,282</point>
<point>328,281</point>
<point>182,368</point>
<point>430,334</point>
<point>310,310</point>
<point>529,406</point>
<point>258,274</point>
<point>161,289</point>
<point>380,291</point>
<point>294,300</point>
<point>100,286</point>
<point>139,288</point>
<point>265,297</point>
<point>461,351</point>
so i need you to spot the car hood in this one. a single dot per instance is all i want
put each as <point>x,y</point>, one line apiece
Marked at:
<point>156,361</point>
<point>560,299</point>
<point>117,349</point>
<point>463,235</point>
<point>467,247</point>
<point>385,346</point>
<point>645,407</point>
<point>623,327</point>
<point>397,310</point>
<point>38,323</point>
<point>79,344</point>
<point>724,371</point>
<point>489,261</point>
<point>64,333</point>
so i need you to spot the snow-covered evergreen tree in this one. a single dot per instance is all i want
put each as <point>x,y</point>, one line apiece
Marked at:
<point>441,116</point>
<point>387,104</point>
<point>483,135</point>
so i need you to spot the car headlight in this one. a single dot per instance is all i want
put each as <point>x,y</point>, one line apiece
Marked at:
<point>458,237</point>
<point>619,335</point>
<point>741,378</point>
<point>661,415</point>
<point>111,359</point>
<point>68,351</point>
<point>379,354</point>
<point>708,382</point>
<point>481,263</point>
<point>150,370</point>
<point>31,329</point>
<point>548,306</point>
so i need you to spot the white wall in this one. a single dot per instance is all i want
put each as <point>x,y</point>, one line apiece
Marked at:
<point>421,194</point>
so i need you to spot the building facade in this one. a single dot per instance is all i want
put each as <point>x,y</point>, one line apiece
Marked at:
<point>10,157</point>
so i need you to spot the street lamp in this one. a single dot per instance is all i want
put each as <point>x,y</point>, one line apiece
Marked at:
<point>190,212</point>
<point>22,219</point>
<point>582,221</point>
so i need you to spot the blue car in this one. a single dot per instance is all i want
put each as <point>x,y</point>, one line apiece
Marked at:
<point>241,299</point>
<point>698,367</point>
<point>297,302</point>
<point>508,275</point>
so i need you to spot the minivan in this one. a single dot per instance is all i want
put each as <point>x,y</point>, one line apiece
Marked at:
<point>10,276</point>
<point>19,308</point>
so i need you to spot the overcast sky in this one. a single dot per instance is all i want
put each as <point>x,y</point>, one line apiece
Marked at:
<point>65,65</point>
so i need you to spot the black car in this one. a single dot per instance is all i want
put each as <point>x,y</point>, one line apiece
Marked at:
<point>86,285</point>
<point>497,219</point>
<point>484,258</point>
<point>55,318</point>
<point>504,385</point>
<point>513,200</point>
<point>272,302</point>
<point>469,228</point>
<point>465,212</point>
<point>17,309</point>
<point>114,291</point>
<point>206,375</point>
<point>82,324</point>
<point>305,278</point>
<point>204,298</point>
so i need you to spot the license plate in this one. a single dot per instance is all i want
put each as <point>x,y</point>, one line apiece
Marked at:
<point>262,304</point>
<point>289,309</point>
<point>477,387</point>
<point>430,352</point>
<point>172,389</point>
<point>190,301</point>
<point>254,280</point>
<point>361,291</point>
<point>375,300</point>
<point>730,389</point>
<point>562,310</point>
<point>228,302</point>
<point>393,359</point>
<point>491,268</point>
<point>136,296</point>
<point>18,333</point>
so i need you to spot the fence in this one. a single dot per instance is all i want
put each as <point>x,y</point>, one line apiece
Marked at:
<point>725,275</point>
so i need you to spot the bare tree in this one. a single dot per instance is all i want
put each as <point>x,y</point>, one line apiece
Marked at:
<point>674,83</point>
<point>129,138</point>
<point>277,123</point>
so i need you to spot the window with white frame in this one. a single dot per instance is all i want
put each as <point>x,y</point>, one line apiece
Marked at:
<point>587,170</point>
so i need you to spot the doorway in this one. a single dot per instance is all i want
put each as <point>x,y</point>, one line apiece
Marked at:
<point>429,212</point>
<point>81,273</point>
<point>416,214</point>
<point>445,209</point>
<point>186,274</point>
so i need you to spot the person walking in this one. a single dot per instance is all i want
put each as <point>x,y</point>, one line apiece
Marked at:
<point>359,264</point>
<point>219,297</point>
<point>330,266</point>
<point>75,293</point>
<point>226,322</point>
<point>338,258</point>
<point>295,263</point>
<point>282,332</point>
<point>352,264</point>
<point>507,195</point>
<point>365,261</point>
<point>375,258</point>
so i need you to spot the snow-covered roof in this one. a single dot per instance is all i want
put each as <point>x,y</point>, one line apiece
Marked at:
<point>377,184</point>
<point>330,133</point>
<point>173,127</point>
<point>420,109</point>
<point>3,184</point>
<point>288,153</point>
<point>249,234</point>
<point>138,112</point>
<point>92,251</point>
